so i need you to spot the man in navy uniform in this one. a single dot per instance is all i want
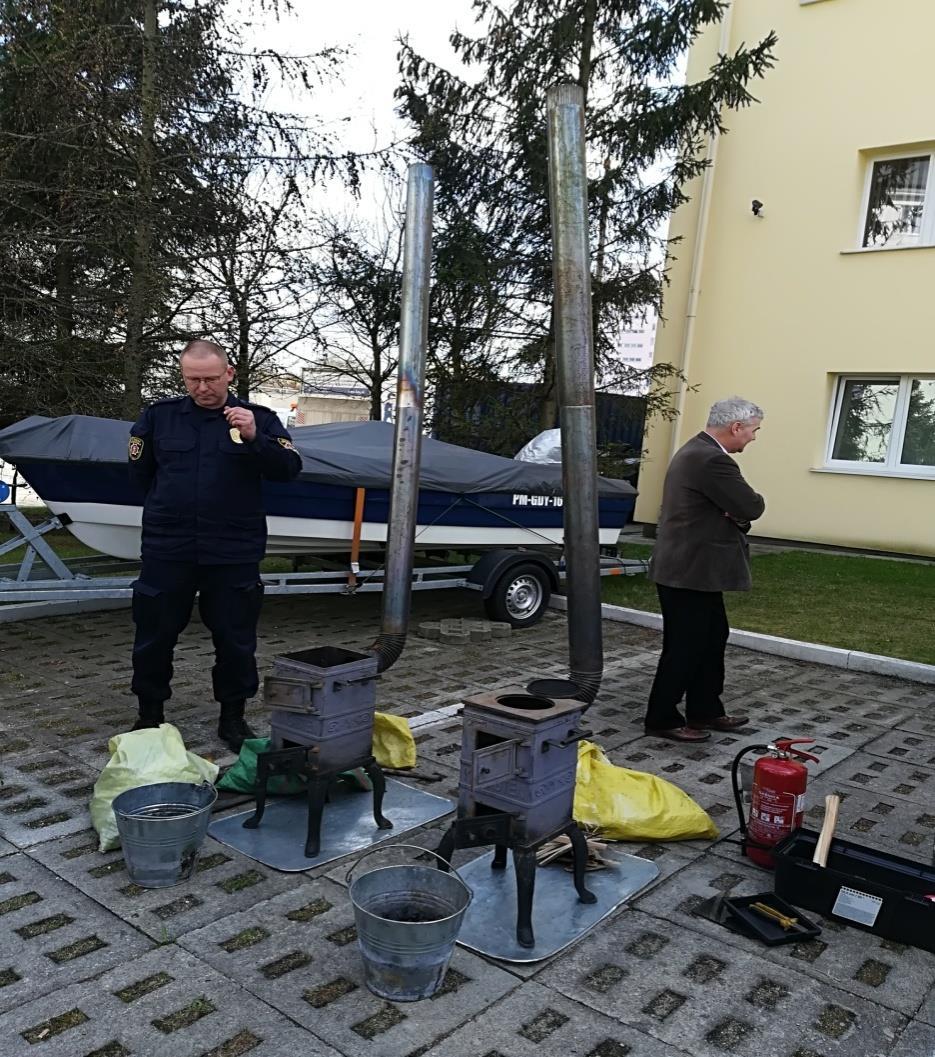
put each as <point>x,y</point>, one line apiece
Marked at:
<point>200,460</point>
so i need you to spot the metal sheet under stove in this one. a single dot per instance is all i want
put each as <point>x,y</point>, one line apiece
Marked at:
<point>490,923</point>
<point>347,826</point>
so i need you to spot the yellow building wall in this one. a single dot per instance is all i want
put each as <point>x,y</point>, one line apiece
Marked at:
<point>785,304</point>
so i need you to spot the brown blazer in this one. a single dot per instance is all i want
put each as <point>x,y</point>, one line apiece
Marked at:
<point>697,547</point>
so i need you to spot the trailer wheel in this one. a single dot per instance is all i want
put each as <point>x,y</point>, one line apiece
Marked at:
<point>520,596</point>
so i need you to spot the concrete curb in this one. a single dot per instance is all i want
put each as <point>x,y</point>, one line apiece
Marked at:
<point>853,660</point>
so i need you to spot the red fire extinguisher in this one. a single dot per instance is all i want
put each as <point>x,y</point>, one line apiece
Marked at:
<point>777,797</point>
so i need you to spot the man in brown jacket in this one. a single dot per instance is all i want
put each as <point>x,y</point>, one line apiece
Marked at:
<point>701,551</point>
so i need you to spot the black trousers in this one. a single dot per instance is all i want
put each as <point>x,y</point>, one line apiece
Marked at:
<point>229,601</point>
<point>694,634</point>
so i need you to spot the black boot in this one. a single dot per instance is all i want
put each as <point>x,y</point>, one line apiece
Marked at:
<point>150,716</point>
<point>232,727</point>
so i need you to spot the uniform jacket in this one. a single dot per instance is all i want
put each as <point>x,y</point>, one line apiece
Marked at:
<point>697,547</point>
<point>203,483</point>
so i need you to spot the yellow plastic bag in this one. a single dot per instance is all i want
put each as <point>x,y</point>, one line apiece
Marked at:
<point>632,805</point>
<point>393,743</point>
<point>142,757</point>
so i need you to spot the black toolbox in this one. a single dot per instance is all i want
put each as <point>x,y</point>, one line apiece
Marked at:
<point>873,890</point>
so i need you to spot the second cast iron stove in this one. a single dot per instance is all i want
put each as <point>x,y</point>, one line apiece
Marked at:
<point>519,757</point>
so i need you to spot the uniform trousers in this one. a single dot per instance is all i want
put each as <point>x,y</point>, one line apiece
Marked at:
<point>694,635</point>
<point>229,601</point>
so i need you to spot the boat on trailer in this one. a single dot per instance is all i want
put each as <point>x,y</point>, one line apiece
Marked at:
<point>469,501</point>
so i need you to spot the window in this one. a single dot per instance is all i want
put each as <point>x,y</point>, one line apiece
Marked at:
<point>899,210</point>
<point>884,425</point>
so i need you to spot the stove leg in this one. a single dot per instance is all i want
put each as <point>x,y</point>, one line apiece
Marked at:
<point>524,863</point>
<point>375,773</point>
<point>317,792</point>
<point>499,857</point>
<point>446,849</point>
<point>580,851</point>
<point>262,778</point>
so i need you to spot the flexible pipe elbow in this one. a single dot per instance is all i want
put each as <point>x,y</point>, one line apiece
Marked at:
<point>388,649</point>
<point>588,683</point>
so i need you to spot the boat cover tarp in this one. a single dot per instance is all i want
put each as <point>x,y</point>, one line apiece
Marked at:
<point>359,454</point>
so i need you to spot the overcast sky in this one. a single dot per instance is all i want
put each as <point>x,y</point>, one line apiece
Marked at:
<point>370,29</point>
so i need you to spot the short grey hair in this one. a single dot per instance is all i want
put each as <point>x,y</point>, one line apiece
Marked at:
<point>733,409</point>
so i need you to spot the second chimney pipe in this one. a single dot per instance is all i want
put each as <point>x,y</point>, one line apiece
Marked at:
<point>574,348</point>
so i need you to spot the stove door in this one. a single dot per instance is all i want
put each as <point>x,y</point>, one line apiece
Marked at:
<point>495,764</point>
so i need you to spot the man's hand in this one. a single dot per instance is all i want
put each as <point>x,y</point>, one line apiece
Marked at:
<point>241,418</point>
<point>744,526</point>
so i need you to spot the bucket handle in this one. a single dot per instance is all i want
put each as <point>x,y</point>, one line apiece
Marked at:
<point>412,847</point>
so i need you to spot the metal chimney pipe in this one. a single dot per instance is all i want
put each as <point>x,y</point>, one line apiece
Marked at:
<point>574,348</point>
<point>413,340</point>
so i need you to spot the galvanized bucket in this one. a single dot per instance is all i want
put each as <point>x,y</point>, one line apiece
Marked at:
<point>408,919</point>
<point>162,828</point>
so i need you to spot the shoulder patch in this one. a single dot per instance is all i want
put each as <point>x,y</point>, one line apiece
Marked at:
<point>286,443</point>
<point>136,448</point>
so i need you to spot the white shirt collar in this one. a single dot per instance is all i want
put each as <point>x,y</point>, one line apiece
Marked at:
<point>718,443</point>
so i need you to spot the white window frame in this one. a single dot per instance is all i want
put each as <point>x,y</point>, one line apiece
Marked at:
<point>927,230</point>
<point>890,467</point>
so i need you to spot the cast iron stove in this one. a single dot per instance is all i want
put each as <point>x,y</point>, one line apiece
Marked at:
<point>519,757</point>
<point>321,704</point>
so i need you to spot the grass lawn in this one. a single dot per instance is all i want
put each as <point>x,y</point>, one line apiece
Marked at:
<point>854,603</point>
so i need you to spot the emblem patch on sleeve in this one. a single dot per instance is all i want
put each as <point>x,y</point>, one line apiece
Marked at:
<point>136,448</point>
<point>286,443</point>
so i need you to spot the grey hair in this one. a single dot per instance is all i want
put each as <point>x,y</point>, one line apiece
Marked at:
<point>733,409</point>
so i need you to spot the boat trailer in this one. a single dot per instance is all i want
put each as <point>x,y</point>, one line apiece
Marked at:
<point>515,585</point>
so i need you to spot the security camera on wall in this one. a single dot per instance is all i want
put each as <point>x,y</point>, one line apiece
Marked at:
<point>757,207</point>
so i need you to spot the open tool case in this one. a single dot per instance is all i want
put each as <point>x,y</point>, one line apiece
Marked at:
<point>871,889</point>
<point>770,932</point>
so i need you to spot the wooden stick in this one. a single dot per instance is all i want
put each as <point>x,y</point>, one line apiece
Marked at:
<point>832,802</point>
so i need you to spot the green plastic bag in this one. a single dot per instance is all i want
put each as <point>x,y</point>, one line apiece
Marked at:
<point>621,804</point>
<point>241,776</point>
<point>142,757</point>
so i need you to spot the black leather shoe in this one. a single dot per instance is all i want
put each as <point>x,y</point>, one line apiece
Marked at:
<point>234,731</point>
<point>679,734</point>
<point>720,723</point>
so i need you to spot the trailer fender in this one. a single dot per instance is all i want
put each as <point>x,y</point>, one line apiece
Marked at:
<point>487,572</point>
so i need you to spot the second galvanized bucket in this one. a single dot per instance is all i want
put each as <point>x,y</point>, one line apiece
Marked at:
<point>408,919</point>
<point>162,828</point>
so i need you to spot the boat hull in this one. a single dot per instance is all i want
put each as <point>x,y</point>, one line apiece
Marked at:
<point>306,517</point>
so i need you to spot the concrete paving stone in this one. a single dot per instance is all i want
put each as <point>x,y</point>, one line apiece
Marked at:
<point>884,690</point>
<point>919,723</point>
<point>44,796</point>
<point>224,883</point>
<point>7,849</point>
<point>927,1011</point>
<point>536,1021</point>
<point>889,777</point>
<point>819,701</point>
<point>441,744</point>
<point>304,961</point>
<point>904,746</point>
<point>53,935</point>
<point>876,969</point>
<point>918,1040</point>
<point>164,1004</point>
<point>674,983</point>
<point>873,820</point>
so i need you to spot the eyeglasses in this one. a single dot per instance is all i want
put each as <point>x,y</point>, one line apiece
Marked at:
<point>208,380</point>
